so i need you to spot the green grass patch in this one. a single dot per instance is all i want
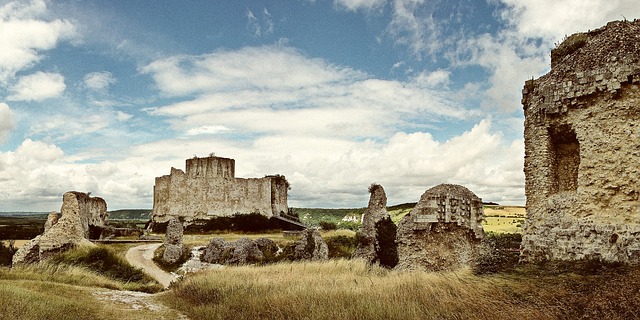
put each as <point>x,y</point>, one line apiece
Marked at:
<point>107,262</point>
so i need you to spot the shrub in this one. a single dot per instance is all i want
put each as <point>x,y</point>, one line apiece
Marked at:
<point>104,261</point>
<point>349,225</point>
<point>6,253</point>
<point>328,225</point>
<point>341,246</point>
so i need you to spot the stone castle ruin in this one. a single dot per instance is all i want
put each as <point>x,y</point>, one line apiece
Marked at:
<point>377,235</point>
<point>582,149</point>
<point>209,189</point>
<point>81,218</point>
<point>443,231</point>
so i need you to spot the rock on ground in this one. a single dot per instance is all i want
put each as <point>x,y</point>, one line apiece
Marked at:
<point>173,245</point>
<point>310,247</point>
<point>241,251</point>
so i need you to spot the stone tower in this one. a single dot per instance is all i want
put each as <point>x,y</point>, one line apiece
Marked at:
<point>582,149</point>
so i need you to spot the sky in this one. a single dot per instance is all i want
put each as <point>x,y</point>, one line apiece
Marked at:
<point>104,96</point>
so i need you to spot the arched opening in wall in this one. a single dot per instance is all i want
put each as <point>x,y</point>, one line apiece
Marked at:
<point>565,158</point>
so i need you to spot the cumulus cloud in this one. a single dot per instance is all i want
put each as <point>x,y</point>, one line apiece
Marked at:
<point>37,87</point>
<point>330,171</point>
<point>99,80</point>
<point>6,121</point>
<point>20,50</point>
<point>552,19</point>
<point>37,174</point>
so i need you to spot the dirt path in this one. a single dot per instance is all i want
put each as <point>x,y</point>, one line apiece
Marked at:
<point>142,257</point>
<point>137,305</point>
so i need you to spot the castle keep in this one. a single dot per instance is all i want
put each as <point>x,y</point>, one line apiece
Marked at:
<point>210,189</point>
<point>582,149</point>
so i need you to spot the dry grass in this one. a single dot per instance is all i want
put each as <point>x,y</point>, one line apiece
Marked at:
<point>47,300</point>
<point>342,289</point>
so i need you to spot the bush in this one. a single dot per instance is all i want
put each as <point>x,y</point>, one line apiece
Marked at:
<point>349,225</point>
<point>341,246</point>
<point>102,260</point>
<point>328,225</point>
<point>6,253</point>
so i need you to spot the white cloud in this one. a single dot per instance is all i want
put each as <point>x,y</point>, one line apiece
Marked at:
<point>99,80</point>
<point>37,174</point>
<point>355,5</point>
<point>435,79</point>
<point>331,171</point>
<point>411,28</point>
<point>258,27</point>
<point>37,87</point>
<point>553,19</point>
<point>207,130</point>
<point>278,90</point>
<point>6,121</point>
<point>20,50</point>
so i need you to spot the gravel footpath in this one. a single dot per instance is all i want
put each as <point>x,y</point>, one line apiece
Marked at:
<point>142,257</point>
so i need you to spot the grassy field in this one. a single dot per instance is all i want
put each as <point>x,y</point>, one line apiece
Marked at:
<point>338,288</point>
<point>349,289</point>
<point>504,219</point>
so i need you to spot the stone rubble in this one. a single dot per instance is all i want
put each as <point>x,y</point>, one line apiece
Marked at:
<point>173,245</point>
<point>443,231</point>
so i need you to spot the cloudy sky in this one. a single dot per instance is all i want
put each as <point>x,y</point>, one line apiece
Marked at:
<point>104,96</point>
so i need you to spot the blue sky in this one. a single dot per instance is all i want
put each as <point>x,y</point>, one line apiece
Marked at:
<point>104,96</point>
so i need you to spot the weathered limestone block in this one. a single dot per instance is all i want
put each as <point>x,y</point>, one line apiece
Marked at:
<point>81,216</point>
<point>581,149</point>
<point>311,246</point>
<point>443,231</point>
<point>377,234</point>
<point>239,252</point>
<point>52,219</point>
<point>173,245</point>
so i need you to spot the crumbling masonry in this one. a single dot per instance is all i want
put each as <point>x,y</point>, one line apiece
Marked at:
<point>210,189</point>
<point>443,231</point>
<point>582,149</point>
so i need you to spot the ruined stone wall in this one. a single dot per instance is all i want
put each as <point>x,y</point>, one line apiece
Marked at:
<point>443,231</point>
<point>582,149</point>
<point>209,189</point>
<point>80,216</point>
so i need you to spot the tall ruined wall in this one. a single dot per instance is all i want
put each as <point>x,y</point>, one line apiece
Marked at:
<point>82,217</point>
<point>582,149</point>
<point>209,189</point>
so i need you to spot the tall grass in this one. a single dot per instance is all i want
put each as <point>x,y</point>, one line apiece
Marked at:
<point>109,263</point>
<point>342,289</point>
<point>85,266</point>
